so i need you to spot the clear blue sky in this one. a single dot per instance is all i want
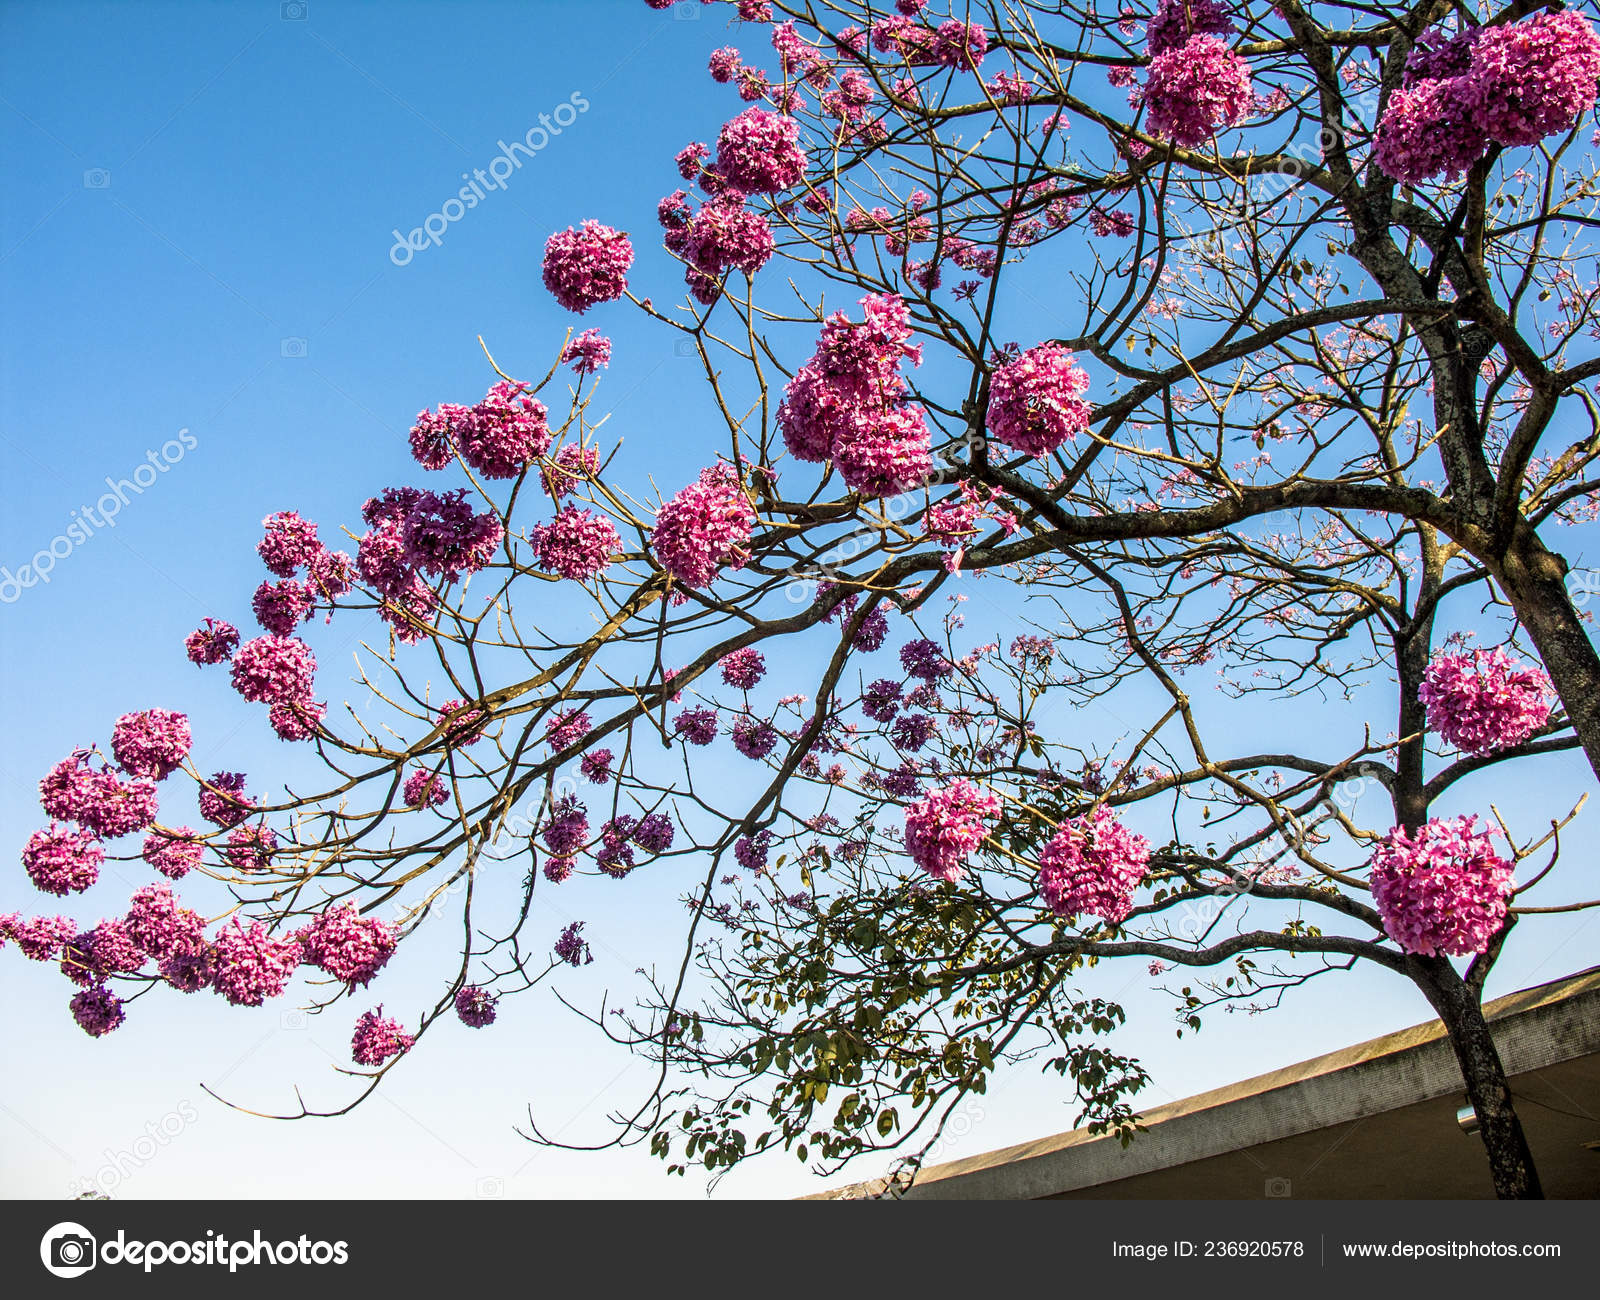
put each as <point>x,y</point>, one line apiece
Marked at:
<point>196,236</point>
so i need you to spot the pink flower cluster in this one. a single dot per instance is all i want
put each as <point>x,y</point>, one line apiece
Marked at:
<point>576,544</point>
<point>499,436</point>
<point>274,670</point>
<point>724,235</point>
<point>1093,864</point>
<point>424,789</point>
<point>1510,84</point>
<point>1176,21</point>
<point>944,828</point>
<point>587,266</point>
<point>350,947</point>
<point>704,527</point>
<point>588,352</point>
<point>212,643</point>
<point>568,467</point>
<point>173,853</point>
<point>1442,891</point>
<point>759,152</point>
<point>377,1039</point>
<point>1195,89</point>
<point>62,861</point>
<point>96,799</point>
<point>223,802</point>
<point>443,536</point>
<point>1484,700</point>
<point>1035,401</point>
<point>846,402</point>
<point>252,966</point>
<point>743,669</point>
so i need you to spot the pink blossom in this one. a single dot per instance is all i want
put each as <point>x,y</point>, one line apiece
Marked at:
<point>596,766</point>
<point>280,607</point>
<point>1442,891</point>
<point>223,803</point>
<point>97,1010</point>
<point>1176,21</point>
<point>1093,864</point>
<point>945,828</point>
<point>1484,700</point>
<point>173,853</point>
<point>588,352</point>
<point>274,670</point>
<point>566,729</point>
<point>252,966</point>
<point>759,152</point>
<point>571,465</point>
<point>1195,89</point>
<point>576,544</point>
<point>38,938</point>
<point>475,1007</point>
<point>704,527</point>
<point>289,543</point>
<point>425,789</point>
<point>152,743</point>
<point>350,947</point>
<point>698,726</point>
<point>587,266</point>
<point>463,724</point>
<point>296,720</point>
<point>160,927</point>
<point>444,537</point>
<point>742,669</point>
<point>377,1039</point>
<point>212,643</point>
<point>251,847</point>
<point>1035,401</point>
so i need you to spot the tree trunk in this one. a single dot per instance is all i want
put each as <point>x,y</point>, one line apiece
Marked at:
<point>1510,1160</point>
<point>1533,579</point>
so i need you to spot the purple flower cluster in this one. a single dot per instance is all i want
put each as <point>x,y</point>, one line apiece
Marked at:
<point>251,847</point>
<point>62,861</point>
<point>1442,891</point>
<point>350,947</point>
<point>571,946</point>
<point>274,670</point>
<point>475,1006</point>
<point>568,467</point>
<point>698,726</point>
<point>1175,21</point>
<point>753,738</point>
<point>497,437</point>
<point>444,537</point>
<point>1195,89</point>
<point>759,152</point>
<point>596,766</point>
<point>744,668</point>
<point>751,850</point>
<point>151,744</point>
<point>424,789</point>
<point>173,853</point>
<point>212,643</point>
<point>223,801</point>
<point>588,352</point>
<point>567,829</point>
<point>252,966</point>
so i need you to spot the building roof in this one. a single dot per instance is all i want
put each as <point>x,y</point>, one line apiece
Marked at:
<point>1374,1120</point>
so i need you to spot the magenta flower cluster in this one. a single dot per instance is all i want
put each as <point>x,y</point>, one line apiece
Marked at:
<point>1484,700</point>
<point>1196,89</point>
<point>759,152</point>
<point>498,437</point>
<point>1035,401</point>
<point>252,966</point>
<point>1510,84</point>
<point>576,544</point>
<point>1443,890</point>
<point>350,947</point>
<point>846,402</point>
<point>587,266</point>
<point>704,527</point>
<point>376,1039</point>
<point>1092,864</point>
<point>588,352</point>
<point>945,827</point>
<point>475,1006</point>
<point>424,789</point>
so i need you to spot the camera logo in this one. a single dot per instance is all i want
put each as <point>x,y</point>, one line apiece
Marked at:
<point>68,1250</point>
<point>293,347</point>
<point>1279,1187</point>
<point>97,178</point>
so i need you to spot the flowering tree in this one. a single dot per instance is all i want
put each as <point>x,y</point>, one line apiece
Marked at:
<point>1313,434</point>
